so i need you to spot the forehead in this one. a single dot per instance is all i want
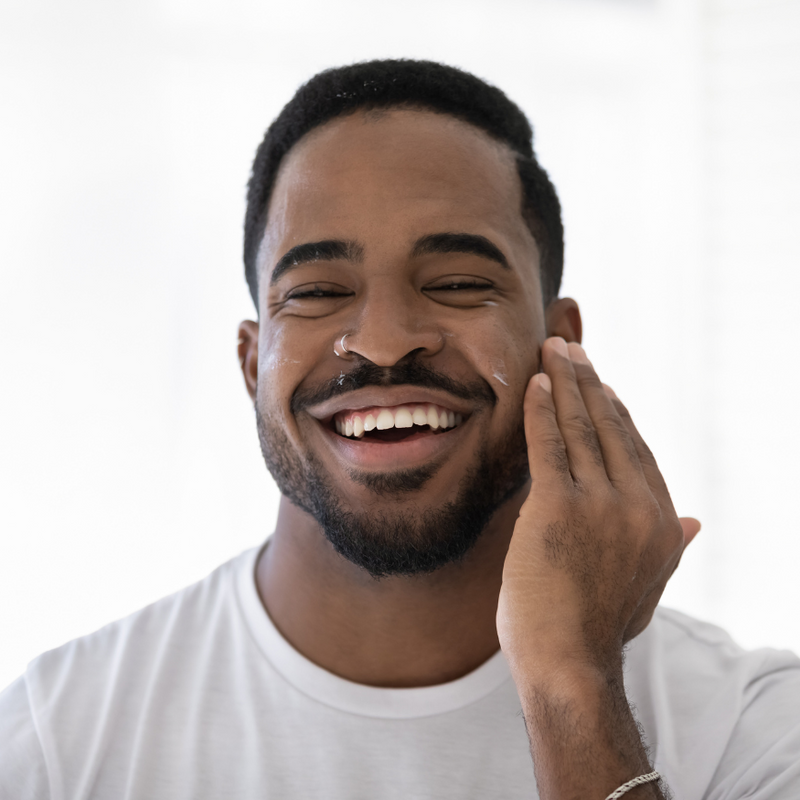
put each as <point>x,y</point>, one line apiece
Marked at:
<point>397,173</point>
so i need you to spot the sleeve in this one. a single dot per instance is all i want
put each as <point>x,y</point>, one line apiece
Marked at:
<point>23,772</point>
<point>762,757</point>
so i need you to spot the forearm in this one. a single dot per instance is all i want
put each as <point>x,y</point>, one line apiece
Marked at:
<point>584,739</point>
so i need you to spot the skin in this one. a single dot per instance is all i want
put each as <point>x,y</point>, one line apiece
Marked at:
<point>384,180</point>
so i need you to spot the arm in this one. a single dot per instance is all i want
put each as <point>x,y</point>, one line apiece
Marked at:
<point>593,547</point>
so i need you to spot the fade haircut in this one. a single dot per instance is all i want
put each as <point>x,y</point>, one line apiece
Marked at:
<point>413,85</point>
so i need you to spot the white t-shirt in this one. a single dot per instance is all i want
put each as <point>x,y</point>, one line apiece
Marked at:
<point>198,697</point>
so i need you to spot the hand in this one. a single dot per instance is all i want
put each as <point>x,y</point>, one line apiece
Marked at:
<point>597,538</point>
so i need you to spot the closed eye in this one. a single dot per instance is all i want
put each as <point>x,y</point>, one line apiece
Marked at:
<point>448,287</point>
<point>463,285</point>
<point>314,293</point>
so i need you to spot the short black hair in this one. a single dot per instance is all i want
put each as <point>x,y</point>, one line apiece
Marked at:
<point>408,84</point>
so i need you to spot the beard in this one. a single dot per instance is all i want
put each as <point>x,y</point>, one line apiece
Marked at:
<point>398,542</point>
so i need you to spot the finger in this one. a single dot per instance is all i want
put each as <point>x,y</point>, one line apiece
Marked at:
<point>547,456</point>
<point>584,453</point>
<point>619,451</point>
<point>691,527</point>
<point>646,458</point>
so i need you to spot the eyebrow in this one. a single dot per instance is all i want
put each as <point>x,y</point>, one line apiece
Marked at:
<point>328,250</point>
<point>460,243</point>
<point>335,249</point>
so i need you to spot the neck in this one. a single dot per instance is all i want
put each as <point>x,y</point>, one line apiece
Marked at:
<point>396,632</point>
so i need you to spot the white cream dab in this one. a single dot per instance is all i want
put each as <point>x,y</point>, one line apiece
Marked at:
<point>501,377</point>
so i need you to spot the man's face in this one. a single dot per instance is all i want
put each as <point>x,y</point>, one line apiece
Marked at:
<point>394,187</point>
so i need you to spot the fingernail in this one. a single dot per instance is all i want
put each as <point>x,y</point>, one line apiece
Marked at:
<point>578,354</point>
<point>560,346</point>
<point>544,381</point>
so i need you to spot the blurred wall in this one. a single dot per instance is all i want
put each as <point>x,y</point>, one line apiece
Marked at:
<point>129,463</point>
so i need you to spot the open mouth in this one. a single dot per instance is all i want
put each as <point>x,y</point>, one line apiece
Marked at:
<point>390,446</point>
<point>391,434</point>
<point>392,424</point>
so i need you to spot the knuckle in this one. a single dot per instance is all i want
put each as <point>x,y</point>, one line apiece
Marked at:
<point>554,454</point>
<point>676,536</point>
<point>604,499</point>
<point>633,453</point>
<point>581,429</point>
<point>586,435</point>
<point>621,410</point>
<point>646,454</point>
<point>645,512</point>
<point>586,376</point>
<point>612,499</point>
<point>613,424</point>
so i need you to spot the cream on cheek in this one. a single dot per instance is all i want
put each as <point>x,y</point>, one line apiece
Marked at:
<point>274,349</point>
<point>278,368</point>
<point>488,352</point>
<point>493,362</point>
<point>273,361</point>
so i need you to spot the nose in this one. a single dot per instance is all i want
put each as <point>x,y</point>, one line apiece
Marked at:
<point>388,328</point>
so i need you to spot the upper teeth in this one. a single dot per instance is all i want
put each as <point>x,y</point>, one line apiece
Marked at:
<point>355,423</point>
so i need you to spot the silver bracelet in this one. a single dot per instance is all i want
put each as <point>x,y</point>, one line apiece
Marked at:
<point>626,787</point>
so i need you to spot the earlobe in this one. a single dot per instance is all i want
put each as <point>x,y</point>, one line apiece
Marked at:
<point>248,355</point>
<point>563,318</point>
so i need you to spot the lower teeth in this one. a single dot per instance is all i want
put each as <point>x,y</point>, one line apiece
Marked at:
<point>420,429</point>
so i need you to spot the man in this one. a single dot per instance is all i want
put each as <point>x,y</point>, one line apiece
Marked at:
<point>459,597</point>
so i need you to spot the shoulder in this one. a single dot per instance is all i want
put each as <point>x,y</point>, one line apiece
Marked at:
<point>81,708</point>
<point>682,644</point>
<point>120,657</point>
<point>690,661</point>
<point>717,715</point>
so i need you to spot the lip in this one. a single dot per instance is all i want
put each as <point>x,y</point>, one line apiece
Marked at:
<point>404,453</point>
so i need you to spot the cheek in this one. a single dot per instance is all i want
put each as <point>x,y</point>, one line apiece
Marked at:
<point>279,367</point>
<point>504,355</point>
<point>274,361</point>
<point>276,352</point>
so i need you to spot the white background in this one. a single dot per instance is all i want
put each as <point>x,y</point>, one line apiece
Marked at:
<point>129,463</point>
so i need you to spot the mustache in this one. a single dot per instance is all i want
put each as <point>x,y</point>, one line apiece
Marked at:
<point>411,373</point>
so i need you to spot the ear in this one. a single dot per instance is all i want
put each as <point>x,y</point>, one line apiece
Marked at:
<point>248,355</point>
<point>563,318</point>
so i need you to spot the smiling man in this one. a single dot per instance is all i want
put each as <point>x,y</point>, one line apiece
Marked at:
<point>459,599</point>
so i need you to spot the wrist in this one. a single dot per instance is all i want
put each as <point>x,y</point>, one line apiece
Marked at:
<point>579,714</point>
<point>583,691</point>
